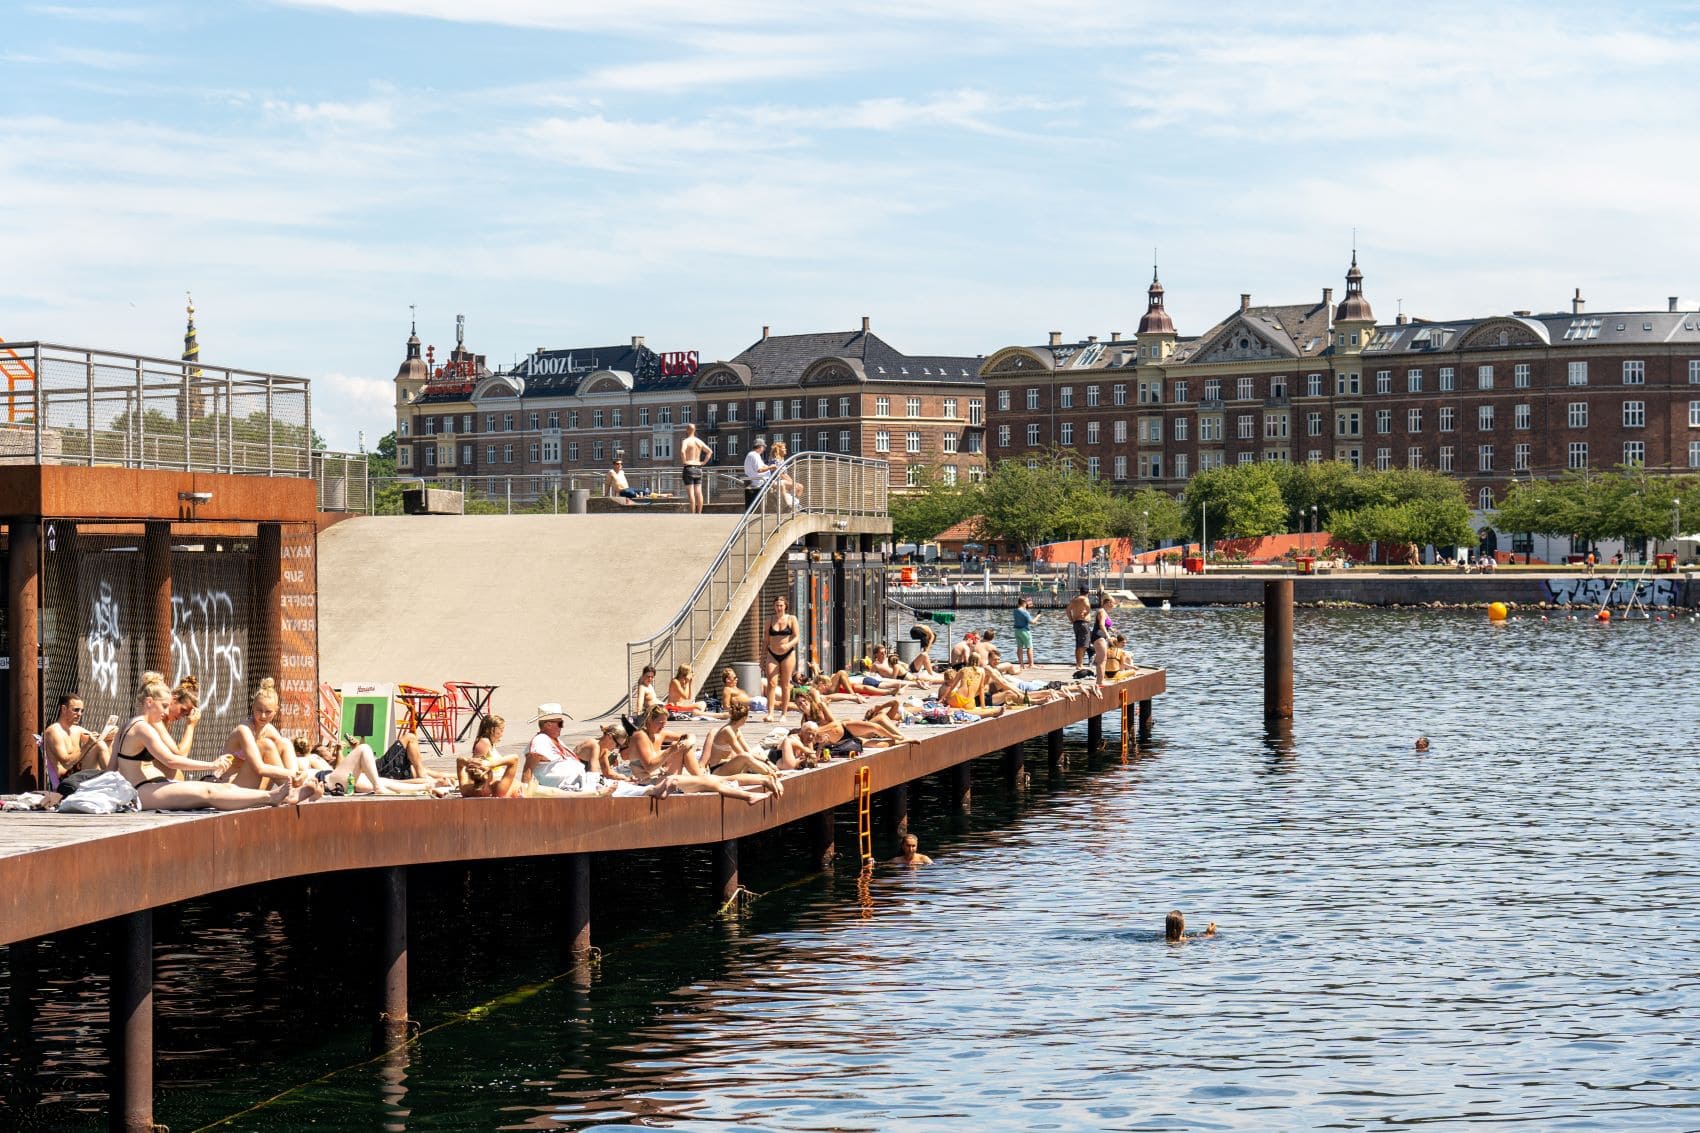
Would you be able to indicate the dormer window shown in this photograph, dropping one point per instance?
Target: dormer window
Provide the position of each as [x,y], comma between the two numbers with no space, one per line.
[1354,338]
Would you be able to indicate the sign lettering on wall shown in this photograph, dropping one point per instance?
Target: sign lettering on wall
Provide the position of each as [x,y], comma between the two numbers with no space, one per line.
[298,671]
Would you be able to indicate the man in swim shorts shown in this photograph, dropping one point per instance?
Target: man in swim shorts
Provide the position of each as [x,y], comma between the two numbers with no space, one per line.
[694,453]
[1024,619]
[1079,615]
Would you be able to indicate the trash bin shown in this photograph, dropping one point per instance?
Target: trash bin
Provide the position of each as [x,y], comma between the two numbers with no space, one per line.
[908,649]
[578,501]
[1666,561]
[1307,564]
[749,677]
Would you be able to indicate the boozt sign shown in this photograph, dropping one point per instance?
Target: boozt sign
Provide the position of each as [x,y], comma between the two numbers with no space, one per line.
[550,365]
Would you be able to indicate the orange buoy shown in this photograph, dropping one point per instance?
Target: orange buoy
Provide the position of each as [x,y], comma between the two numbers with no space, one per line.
[1497,611]
[1603,615]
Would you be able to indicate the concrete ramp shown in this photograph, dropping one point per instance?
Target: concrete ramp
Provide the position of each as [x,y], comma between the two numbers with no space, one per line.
[542,605]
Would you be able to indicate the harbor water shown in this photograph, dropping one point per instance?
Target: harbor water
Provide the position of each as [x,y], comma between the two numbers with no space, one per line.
[1501,932]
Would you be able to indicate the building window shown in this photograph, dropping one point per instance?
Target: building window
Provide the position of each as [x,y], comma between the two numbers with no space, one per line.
[949,441]
[1033,399]
[507,454]
[1245,426]
[711,413]
[1694,371]
[614,418]
[1153,466]
[1210,428]
[950,474]
[844,440]
[1346,385]
[1243,458]
[489,454]
[1413,381]
[1634,373]
[1313,424]
[643,417]
[596,419]
[1065,397]
[1383,459]
[1446,458]
[1694,415]
[1003,401]
[1384,421]
[1313,385]
[796,408]
[911,442]
[1577,415]
[1180,393]
[1118,394]
[1448,379]
[1635,453]
[1032,436]
[1484,377]
[1212,389]
[1121,466]
[1348,423]
[950,408]
[1092,468]
[731,411]
[1413,457]
[882,441]
[489,422]
[1182,427]
[823,441]
[1092,432]
[1578,455]
[1484,458]
[1413,420]
[507,422]
[1484,499]
[1448,419]
[844,407]
[912,476]
[1578,373]
[1484,418]
[1520,416]
[1520,457]
[1003,436]
[1384,381]
[1520,375]
[913,407]
[823,405]
[533,452]
[976,411]
[1275,426]
[1065,433]
[431,457]
[572,452]
[572,418]
[1634,414]
[882,407]
[1245,392]
[684,415]
[532,420]
[1092,397]
[1694,454]
[1180,466]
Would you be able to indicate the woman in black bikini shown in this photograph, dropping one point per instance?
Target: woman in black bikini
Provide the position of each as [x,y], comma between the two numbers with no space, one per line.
[141,750]
[1103,628]
[783,633]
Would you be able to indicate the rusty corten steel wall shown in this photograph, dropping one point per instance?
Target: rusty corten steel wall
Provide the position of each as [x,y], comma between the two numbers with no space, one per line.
[176,861]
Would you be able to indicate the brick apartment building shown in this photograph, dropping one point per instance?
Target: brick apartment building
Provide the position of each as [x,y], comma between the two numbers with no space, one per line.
[1487,398]
[573,410]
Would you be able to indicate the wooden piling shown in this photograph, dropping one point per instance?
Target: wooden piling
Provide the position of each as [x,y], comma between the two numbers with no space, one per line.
[962,788]
[1278,649]
[897,809]
[392,954]
[130,1038]
[578,908]
[725,871]
[822,849]
[1053,748]
[1094,735]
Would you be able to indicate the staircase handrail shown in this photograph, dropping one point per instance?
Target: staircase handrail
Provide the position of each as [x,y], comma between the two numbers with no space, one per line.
[832,484]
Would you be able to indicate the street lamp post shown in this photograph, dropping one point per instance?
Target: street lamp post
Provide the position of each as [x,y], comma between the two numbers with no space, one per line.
[1315,529]
[1203,537]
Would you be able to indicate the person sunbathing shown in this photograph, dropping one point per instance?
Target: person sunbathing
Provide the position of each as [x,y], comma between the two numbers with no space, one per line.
[726,753]
[72,747]
[884,664]
[1013,691]
[964,690]
[862,684]
[140,751]
[643,696]
[258,748]
[679,698]
[831,729]
[995,662]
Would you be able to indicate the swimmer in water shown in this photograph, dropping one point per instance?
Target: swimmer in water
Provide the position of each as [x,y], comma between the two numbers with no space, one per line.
[1174,928]
[1422,743]
[911,855]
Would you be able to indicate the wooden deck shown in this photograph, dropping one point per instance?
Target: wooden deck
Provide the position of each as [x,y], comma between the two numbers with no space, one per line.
[60,871]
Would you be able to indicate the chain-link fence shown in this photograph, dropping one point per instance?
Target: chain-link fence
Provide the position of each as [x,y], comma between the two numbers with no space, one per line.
[76,405]
[341,477]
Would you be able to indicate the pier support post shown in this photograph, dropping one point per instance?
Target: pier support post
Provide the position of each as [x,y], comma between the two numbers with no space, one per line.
[392,955]
[156,569]
[1053,748]
[1278,649]
[897,809]
[821,840]
[130,1088]
[578,908]
[962,788]
[23,605]
[725,871]
[1013,766]
[268,597]
[1144,732]
[1094,735]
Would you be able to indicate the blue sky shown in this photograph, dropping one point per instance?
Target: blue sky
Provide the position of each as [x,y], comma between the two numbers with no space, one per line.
[968,173]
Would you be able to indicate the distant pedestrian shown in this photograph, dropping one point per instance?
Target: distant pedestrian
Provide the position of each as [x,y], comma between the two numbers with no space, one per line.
[1079,613]
[1024,619]
[694,454]
[756,470]
[1590,562]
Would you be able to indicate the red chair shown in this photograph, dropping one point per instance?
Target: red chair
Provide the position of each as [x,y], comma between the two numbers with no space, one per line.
[433,723]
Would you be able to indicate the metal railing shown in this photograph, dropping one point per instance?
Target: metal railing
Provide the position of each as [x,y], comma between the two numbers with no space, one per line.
[549,492]
[341,477]
[78,405]
[843,486]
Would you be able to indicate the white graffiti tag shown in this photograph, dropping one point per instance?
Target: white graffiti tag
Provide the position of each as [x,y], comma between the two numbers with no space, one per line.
[104,641]
[1615,592]
[203,642]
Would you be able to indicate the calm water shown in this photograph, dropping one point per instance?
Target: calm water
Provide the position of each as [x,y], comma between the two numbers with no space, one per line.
[1503,931]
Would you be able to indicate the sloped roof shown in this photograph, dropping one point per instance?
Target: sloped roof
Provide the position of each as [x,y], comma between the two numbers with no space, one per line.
[1297,330]
[559,372]
[965,532]
[780,359]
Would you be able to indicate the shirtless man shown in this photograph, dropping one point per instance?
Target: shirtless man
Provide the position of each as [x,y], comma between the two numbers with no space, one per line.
[615,485]
[911,855]
[694,453]
[1079,614]
[73,747]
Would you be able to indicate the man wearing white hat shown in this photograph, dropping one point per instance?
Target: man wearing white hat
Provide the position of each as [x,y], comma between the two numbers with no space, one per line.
[549,761]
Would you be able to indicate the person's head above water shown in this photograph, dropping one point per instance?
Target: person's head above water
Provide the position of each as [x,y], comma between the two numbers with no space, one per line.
[1174,925]
[1422,743]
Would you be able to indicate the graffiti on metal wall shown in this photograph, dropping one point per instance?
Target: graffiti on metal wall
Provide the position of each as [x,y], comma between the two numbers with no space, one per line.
[104,642]
[1615,592]
[204,642]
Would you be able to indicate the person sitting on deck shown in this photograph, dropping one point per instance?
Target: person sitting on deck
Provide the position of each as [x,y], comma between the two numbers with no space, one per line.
[1174,928]
[404,762]
[831,730]
[139,751]
[1115,660]
[963,651]
[659,753]
[911,854]
[616,486]
[884,663]
[185,705]
[70,746]
[550,763]
[994,661]
[262,756]
[487,773]
[726,754]
[679,698]
[966,688]
[643,696]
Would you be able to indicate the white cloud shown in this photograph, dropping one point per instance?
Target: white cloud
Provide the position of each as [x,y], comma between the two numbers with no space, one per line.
[93,58]
[93,15]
